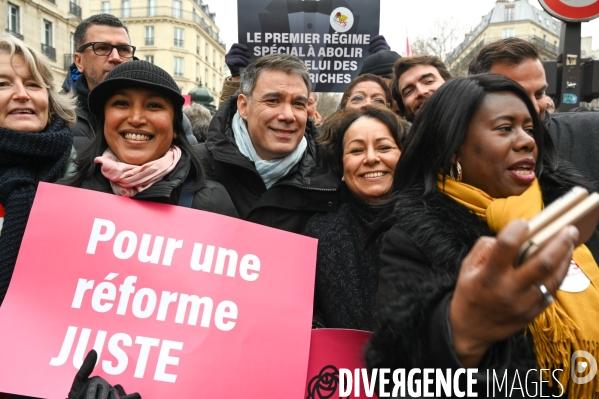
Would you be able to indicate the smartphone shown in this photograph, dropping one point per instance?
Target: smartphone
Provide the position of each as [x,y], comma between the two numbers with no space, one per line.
[576,208]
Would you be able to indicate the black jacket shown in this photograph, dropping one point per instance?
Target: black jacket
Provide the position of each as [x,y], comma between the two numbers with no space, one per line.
[212,197]
[83,131]
[310,187]
[421,258]
[576,139]
[347,266]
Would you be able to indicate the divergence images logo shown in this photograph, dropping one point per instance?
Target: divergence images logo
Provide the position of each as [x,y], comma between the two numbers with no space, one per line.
[589,366]
[342,19]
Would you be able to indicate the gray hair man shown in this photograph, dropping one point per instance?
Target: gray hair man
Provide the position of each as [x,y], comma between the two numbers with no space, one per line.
[261,147]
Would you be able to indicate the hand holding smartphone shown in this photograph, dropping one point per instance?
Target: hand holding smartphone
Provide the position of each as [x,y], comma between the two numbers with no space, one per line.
[576,208]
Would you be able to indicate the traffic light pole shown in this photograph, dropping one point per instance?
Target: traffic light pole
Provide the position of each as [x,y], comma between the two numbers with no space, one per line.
[568,67]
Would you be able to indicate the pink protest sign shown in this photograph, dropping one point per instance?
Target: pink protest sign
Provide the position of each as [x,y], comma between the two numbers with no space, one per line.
[177,302]
[332,349]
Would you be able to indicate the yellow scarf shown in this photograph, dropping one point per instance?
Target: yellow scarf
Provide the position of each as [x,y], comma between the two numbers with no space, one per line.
[571,322]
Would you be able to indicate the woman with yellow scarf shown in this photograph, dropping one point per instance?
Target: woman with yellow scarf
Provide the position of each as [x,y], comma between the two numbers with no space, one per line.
[477,164]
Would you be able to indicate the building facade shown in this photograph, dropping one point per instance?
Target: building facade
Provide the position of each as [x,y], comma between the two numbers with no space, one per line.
[47,25]
[509,18]
[179,36]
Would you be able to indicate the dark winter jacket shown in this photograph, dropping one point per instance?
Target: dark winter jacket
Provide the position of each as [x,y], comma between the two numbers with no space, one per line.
[576,138]
[310,187]
[421,258]
[347,266]
[212,197]
[83,131]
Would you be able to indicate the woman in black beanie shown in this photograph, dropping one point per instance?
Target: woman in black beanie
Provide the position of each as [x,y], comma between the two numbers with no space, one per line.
[35,141]
[140,149]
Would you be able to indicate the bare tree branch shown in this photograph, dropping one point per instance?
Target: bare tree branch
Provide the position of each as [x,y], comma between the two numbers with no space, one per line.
[441,39]
[327,103]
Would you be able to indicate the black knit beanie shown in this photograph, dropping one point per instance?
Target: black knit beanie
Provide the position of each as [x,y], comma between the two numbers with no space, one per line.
[380,63]
[134,74]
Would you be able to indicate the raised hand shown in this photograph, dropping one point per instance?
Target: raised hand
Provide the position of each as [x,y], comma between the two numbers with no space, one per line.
[96,387]
[493,299]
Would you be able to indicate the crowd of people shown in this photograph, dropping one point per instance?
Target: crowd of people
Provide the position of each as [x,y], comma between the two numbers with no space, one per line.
[418,188]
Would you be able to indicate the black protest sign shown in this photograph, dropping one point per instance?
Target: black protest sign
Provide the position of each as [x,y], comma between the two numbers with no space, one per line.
[330,36]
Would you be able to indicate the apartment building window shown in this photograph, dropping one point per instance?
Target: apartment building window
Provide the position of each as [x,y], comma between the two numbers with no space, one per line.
[197,72]
[13,16]
[178,66]
[179,37]
[214,58]
[125,9]
[149,35]
[194,15]
[74,8]
[206,77]
[68,58]
[152,8]
[105,7]
[509,12]
[177,9]
[48,40]
[149,58]
[508,32]
[198,44]
[206,53]
[213,82]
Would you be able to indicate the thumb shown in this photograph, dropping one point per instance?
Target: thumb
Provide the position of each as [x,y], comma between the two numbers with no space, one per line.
[509,240]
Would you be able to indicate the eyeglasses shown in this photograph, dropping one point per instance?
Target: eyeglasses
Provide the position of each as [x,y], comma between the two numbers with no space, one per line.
[104,49]
[360,100]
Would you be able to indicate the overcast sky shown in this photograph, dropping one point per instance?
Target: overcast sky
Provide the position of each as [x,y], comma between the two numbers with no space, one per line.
[397,17]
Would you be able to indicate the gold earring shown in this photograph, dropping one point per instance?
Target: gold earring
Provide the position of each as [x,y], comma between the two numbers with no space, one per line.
[458,168]
[343,178]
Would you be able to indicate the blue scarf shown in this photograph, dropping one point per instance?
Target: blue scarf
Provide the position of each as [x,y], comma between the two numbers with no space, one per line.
[270,171]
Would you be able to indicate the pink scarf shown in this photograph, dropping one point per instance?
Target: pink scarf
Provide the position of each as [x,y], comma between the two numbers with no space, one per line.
[128,180]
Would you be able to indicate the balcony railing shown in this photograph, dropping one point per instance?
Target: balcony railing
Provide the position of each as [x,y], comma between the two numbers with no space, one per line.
[178,74]
[68,60]
[52,1]
[544,44]
[49,51]
[76,10]
[149,41]
[166,11]
[179,42]
[16,34]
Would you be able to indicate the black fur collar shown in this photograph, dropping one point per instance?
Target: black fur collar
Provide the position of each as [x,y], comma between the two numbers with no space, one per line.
[444,230]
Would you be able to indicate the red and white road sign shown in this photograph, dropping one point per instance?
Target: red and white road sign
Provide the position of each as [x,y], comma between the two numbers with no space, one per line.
[572,10]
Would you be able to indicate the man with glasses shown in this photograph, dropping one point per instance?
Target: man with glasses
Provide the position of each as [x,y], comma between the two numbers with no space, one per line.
[102,42]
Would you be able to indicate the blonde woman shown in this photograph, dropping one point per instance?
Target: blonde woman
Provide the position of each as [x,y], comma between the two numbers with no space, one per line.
[35,141]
